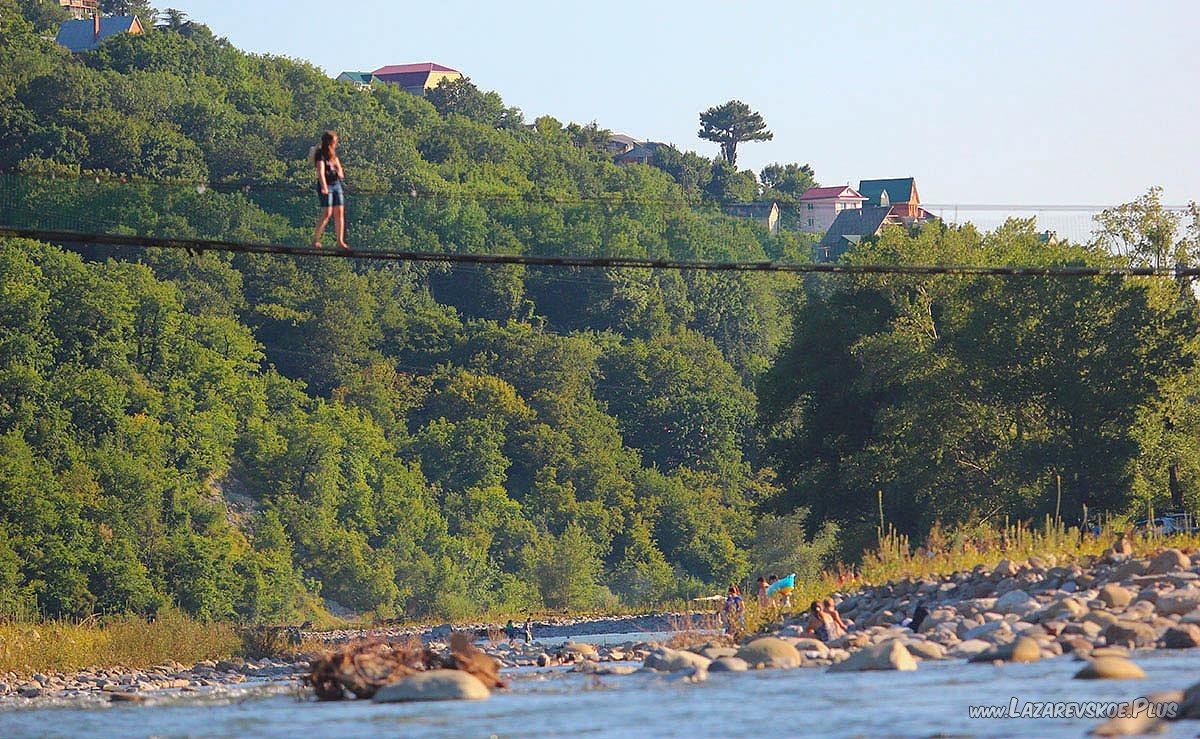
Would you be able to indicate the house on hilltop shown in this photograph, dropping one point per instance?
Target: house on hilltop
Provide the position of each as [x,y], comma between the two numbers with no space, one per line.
[619,143]
[81,8]
[891,202]
[900,194]
[640,153]
[820,206]
[361,79]
[764,212]
[82,35]
[417,79]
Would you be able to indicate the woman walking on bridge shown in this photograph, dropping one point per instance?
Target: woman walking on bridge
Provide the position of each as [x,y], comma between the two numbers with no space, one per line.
[330,193]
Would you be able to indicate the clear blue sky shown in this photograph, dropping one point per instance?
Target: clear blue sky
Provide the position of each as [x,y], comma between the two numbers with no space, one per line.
[1013,101]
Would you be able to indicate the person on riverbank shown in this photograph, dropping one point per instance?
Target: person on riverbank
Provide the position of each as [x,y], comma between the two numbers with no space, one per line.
[763,599]
[919,615]
[735,611]
[510,630]
[528,629]
[839,624]
[330,190]
[818,625]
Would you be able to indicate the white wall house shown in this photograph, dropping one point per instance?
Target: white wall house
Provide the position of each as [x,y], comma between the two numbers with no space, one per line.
[819,206]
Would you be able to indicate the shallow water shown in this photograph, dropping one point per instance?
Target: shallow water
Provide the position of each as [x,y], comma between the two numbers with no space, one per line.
[931,701]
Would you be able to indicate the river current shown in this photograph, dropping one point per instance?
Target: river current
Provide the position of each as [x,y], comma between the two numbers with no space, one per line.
[933,701]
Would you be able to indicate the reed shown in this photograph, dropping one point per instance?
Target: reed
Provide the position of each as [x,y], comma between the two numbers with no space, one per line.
[67,646]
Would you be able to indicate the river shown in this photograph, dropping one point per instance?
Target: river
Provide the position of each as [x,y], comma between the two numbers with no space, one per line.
[932,701]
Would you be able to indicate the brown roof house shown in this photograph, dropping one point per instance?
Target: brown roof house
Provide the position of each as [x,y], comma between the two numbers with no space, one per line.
[417,79]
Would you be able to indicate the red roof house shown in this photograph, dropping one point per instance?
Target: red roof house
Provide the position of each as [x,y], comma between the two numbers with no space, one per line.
[416,78]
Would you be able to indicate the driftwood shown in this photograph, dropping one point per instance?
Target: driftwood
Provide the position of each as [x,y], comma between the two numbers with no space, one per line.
[365,667]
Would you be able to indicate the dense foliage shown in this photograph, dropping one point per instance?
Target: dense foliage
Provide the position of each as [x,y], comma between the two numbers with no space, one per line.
[901,401]
[238,435]
[242,435]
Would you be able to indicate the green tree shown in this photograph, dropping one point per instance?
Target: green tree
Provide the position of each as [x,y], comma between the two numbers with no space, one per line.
[730,124]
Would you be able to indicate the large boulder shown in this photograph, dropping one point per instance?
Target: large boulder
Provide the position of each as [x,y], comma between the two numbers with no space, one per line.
[1068,609]
[578,651]
[1131,633]
[1168,560]
[1006,568]
[1190,706]
[1131,569]
[434,685]
[804,645]
[891,655]
[1023,649]
[1016,601]
[770,651]
[1110,668]
[1115,596]
[1183,636]
[988,631]
[969,648]
[728,664]
[925,649]
[1178,602]
[675,660]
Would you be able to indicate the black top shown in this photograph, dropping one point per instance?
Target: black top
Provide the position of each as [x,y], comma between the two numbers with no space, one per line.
[331,170]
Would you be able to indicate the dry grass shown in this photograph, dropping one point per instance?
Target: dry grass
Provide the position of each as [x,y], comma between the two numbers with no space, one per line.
[65,646]
[965,549]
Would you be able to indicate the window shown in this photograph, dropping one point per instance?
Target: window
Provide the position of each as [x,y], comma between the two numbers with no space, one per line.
[810,206]
[810,222]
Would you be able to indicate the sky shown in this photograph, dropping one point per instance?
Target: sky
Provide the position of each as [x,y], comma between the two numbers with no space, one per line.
[1013,101]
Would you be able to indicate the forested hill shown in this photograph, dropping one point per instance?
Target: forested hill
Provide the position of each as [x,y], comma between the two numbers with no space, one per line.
[239,434]
[248,436]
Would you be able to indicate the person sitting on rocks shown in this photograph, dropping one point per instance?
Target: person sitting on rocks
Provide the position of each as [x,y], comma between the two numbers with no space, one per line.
[919,615]
[839,625]
[818,625]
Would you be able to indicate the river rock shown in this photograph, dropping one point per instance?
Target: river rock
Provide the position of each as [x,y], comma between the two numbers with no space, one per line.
[1178,602]
[988,630]
[1168,560]
[1066,608]
[812,645]
[1189,707]
[713,653]
[1024,649]
[969,648]
[1110,668]
[890,655]
[1016,601]
[1115,596]
[728,664]
[1006,568]
[673,660]
[1141,724]
[578,650]
[1183,636]
[1131,633]
[434,685]
[925,649]
[770,651]
[1130,569]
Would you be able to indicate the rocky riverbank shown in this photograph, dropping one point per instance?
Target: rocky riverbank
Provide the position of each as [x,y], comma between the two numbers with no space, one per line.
[554,628]
[122,684]
[1100,611]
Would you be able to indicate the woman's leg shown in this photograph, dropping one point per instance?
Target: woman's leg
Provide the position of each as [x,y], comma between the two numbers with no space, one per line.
[321,221]
[339,225]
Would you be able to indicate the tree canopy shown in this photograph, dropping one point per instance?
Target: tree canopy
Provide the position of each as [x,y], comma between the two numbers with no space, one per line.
[730,124]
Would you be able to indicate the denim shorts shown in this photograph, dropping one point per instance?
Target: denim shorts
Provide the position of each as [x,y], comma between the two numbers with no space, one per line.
[334,196]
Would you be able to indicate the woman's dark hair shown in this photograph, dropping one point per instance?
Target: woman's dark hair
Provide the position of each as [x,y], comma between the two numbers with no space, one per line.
[325,150]
[815,608]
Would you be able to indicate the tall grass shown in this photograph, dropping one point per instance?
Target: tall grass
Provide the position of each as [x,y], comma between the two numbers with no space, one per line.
[67,646]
